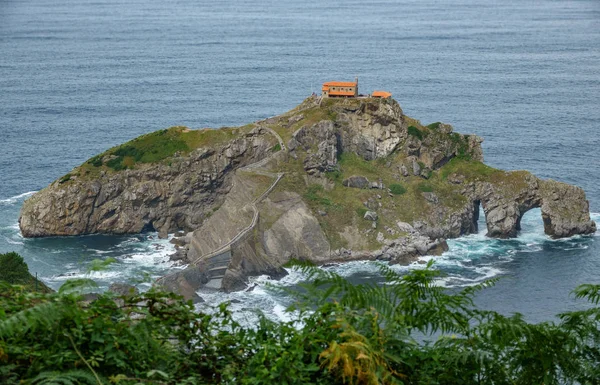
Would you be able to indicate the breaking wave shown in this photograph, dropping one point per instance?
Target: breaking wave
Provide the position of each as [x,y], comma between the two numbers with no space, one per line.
[16,198]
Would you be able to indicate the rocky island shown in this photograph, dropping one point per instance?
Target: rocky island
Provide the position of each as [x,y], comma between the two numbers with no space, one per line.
[330,180]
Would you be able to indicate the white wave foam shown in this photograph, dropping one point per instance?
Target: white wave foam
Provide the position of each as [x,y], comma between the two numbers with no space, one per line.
[279,311]
[100,251]
[105,275]
[151,252]
[128,242]
[16,198]
[14,226]
[293,277]
[596,218]
[43,261]
[148,260]
[245,305]
[484,272]
[348,269]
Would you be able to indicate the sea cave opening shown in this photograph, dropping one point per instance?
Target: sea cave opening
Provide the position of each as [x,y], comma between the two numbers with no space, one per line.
[148,228]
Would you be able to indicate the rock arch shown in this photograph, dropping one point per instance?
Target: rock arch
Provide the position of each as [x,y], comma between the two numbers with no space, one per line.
[565,211]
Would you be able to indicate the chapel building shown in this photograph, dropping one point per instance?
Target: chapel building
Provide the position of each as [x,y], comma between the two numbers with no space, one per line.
[340,89]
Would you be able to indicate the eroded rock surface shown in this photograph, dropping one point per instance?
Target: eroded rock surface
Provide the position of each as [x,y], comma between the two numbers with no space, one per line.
[165,197]
[564,208]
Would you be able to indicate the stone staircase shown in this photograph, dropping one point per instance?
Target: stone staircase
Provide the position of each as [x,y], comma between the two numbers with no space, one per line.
[218,260]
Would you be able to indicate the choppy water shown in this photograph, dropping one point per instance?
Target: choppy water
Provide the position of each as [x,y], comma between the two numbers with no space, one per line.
[77,77]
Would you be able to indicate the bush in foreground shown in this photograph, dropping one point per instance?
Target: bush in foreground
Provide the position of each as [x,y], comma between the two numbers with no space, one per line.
[14,270]
[342,334]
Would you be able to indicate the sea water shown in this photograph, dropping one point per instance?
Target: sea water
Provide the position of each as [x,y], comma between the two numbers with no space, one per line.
[77,77]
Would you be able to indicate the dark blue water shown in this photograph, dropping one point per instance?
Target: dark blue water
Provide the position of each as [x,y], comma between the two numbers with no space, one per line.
[77,77]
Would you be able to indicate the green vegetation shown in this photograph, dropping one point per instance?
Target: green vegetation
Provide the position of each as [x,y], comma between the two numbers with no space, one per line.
[276,148]
[364,336]
[361,211]
[95,161]
[425,187]
[414,131]
[334,175]
[406,204]
[463,145]
[434,126]
[65,178]
[159,146]
[344,223]
[352,164]
[397,189]
[314,194]
[148,148]
[472,170]
[14,270]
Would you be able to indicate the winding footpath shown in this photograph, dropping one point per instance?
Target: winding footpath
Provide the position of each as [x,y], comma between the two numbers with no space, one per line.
[218,260]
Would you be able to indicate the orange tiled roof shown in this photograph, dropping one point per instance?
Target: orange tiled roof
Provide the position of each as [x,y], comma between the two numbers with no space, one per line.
[381,94]
[341,93]
[339,84]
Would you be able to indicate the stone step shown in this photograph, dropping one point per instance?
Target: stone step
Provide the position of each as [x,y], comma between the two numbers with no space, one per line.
[217,270]
[214,283]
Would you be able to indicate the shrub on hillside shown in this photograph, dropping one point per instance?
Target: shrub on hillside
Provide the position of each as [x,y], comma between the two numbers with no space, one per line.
[65,178]
[397,189]
[434,126]
[414,131]
[13,269]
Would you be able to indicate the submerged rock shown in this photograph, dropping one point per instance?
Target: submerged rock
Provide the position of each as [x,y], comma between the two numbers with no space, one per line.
[186,282]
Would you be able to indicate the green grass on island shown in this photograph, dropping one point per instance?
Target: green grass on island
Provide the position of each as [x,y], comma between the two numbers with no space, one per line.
[156,147]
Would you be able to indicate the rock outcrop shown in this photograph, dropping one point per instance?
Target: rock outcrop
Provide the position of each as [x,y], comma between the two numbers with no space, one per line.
[565,211]
[329,181]
[166,197]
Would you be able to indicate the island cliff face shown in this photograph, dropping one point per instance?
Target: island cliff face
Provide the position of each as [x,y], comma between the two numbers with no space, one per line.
[166,196]
[331,180]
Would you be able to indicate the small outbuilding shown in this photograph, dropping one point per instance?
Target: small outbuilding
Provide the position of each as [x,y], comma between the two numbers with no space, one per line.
[381,94]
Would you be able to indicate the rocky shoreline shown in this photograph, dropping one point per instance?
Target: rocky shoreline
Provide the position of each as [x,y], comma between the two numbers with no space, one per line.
[329,181]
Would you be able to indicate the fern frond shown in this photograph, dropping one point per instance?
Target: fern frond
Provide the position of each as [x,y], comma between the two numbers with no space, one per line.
[72,377]
[77,285]
[589,292]
[44,314]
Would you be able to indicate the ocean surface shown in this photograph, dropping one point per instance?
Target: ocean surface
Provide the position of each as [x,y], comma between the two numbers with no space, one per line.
[77,77]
